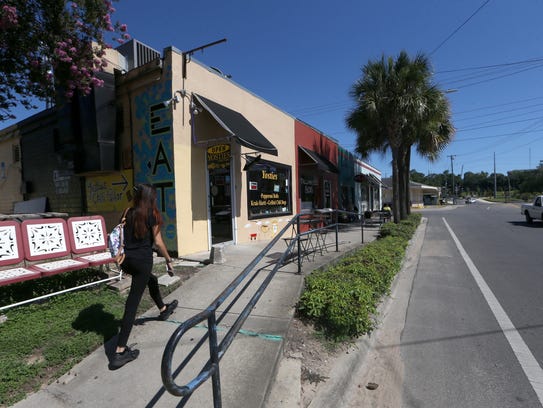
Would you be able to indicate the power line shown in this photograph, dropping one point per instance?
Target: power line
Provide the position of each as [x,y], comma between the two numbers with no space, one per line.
[490,66]
[499,105]
[507,71]
[459,27]
[499,77]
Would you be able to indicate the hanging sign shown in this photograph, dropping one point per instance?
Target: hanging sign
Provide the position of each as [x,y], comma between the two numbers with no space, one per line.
[218,156]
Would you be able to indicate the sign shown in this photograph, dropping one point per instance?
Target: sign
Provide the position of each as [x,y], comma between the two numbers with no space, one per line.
[109,193]
[218,156]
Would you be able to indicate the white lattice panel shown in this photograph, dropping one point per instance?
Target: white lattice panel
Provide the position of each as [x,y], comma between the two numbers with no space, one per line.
[8,243]
[102,256]
[59,265]
[46,239]
[88,234]
[15,273]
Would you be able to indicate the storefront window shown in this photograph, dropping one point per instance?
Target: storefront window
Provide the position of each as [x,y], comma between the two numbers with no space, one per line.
[269,191]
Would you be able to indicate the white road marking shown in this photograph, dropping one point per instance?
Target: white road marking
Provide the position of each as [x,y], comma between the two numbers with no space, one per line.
[529,364]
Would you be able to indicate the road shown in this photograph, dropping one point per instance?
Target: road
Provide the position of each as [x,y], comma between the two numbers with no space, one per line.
[474,323]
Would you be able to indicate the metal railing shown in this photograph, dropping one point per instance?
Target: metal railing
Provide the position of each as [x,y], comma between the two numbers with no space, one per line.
[209,315]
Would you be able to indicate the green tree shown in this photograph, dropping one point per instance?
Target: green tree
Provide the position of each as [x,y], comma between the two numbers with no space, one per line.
[430,129]
[51,45]
[397,108]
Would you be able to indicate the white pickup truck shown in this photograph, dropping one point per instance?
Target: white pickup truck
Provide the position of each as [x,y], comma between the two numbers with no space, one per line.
[533,211]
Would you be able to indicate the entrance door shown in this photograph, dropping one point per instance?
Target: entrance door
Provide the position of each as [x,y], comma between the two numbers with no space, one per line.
[220,203]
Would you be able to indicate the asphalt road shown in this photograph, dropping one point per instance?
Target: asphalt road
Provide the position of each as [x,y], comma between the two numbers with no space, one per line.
[473,335]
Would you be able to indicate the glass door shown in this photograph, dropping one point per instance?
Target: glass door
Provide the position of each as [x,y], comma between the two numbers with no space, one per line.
[220,193]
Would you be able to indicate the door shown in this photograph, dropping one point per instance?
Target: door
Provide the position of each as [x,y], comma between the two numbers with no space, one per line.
[220,193]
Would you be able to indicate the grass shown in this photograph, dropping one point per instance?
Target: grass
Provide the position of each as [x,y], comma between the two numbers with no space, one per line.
[41,342]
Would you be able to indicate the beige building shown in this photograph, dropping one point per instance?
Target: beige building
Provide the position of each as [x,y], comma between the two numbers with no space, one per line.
[221,157]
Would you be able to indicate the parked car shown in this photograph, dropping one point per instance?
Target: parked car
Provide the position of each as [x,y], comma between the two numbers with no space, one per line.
[533,211]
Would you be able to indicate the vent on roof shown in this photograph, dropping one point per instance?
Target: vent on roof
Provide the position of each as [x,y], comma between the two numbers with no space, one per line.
[137,54]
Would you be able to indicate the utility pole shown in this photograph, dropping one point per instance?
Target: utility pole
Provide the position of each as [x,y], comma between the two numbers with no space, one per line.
[495,179]
[452,156]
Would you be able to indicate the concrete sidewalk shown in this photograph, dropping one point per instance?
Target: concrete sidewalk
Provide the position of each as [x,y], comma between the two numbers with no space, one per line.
[248,367]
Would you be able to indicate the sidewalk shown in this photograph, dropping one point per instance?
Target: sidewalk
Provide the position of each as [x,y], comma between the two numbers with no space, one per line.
[248,367]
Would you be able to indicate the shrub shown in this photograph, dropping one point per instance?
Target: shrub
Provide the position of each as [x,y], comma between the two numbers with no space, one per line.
[339,303]
[342,299]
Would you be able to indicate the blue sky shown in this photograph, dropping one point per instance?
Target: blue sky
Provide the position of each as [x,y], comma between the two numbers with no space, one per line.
[303,57]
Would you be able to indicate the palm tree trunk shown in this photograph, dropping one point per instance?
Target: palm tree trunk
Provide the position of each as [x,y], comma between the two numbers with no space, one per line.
[407,171]
[395,184]
[402,176]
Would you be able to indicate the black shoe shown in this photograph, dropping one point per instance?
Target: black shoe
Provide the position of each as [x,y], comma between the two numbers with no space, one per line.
[120,359]
[170,307]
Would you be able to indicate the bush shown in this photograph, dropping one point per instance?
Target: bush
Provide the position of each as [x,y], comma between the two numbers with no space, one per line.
[342,299]
[339,303]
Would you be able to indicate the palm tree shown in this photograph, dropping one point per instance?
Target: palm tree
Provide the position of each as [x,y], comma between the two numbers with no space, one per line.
[431,133]
[398,107]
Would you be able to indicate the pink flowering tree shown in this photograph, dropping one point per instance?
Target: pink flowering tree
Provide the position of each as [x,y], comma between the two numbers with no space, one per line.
[49,46]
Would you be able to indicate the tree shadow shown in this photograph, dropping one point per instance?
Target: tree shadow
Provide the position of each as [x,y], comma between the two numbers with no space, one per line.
[94,319]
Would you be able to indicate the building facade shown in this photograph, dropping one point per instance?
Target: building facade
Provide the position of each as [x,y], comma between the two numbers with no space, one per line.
[229,167]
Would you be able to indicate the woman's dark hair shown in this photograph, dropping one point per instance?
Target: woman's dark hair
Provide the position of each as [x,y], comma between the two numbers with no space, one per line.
[145,204]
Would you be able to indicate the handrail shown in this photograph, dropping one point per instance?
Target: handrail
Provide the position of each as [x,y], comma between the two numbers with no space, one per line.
[211,367]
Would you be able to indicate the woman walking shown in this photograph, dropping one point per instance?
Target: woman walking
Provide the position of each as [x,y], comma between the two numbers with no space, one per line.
[141,231]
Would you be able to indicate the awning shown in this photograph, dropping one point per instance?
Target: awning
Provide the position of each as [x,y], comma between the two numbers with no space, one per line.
[370,178]
[316,159]
[236,125]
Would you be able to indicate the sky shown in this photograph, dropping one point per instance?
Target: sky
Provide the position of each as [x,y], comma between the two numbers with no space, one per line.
[304,56]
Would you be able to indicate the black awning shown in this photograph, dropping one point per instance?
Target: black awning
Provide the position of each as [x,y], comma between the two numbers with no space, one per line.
[370,178]
[236,125]
[316,159]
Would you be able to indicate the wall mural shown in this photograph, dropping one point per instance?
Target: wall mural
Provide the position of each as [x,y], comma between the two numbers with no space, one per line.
[153,152]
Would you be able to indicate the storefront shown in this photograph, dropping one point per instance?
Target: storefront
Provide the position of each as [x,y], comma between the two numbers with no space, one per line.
[317,169]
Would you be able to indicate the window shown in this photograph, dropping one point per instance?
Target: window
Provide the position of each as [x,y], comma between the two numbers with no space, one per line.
[268,190]
[16,153]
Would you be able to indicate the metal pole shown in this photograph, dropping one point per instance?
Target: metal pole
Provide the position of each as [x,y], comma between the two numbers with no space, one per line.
[337,232]
[362,226]
[495,179]
[214,357]
[299,246]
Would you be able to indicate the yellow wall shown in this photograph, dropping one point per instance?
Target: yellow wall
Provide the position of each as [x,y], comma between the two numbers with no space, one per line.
[190,159]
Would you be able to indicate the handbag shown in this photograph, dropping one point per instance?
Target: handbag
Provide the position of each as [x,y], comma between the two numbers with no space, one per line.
[116,240]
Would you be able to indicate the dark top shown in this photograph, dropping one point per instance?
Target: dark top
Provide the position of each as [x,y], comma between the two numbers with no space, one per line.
[139,248]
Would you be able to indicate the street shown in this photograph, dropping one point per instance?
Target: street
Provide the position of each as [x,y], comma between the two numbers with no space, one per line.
[473,329]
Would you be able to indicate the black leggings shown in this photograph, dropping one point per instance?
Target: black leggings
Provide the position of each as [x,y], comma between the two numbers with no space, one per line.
[141,277]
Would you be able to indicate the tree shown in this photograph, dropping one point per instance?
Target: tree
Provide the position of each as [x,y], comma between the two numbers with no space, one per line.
[397,108]
[52,45]
[430,129]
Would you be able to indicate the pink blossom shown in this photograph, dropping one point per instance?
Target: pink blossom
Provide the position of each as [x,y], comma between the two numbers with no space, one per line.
[123,27]
[8,17]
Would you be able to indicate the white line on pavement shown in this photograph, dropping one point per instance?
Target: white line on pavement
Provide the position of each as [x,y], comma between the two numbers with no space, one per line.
[525,357]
